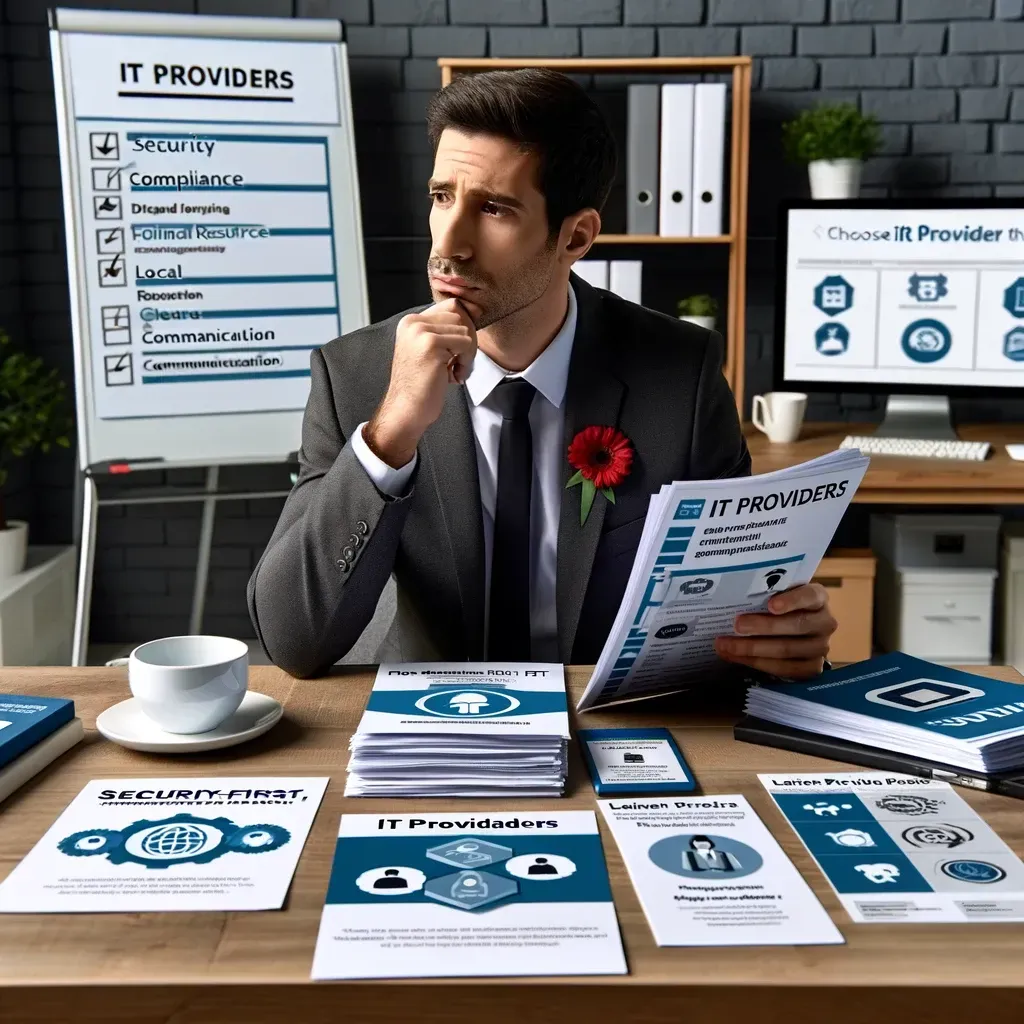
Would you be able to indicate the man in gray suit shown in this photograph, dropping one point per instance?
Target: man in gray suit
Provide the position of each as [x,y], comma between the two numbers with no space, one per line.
[434,443]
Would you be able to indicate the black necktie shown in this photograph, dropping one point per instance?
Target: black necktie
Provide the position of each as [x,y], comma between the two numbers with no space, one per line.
[509,624]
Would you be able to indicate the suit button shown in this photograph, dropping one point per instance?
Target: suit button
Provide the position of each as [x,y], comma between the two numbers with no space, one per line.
[355,540]
[349,553]
[363,527]
[342,564]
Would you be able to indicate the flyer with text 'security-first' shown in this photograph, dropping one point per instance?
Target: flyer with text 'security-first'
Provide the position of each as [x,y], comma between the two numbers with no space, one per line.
[133,845]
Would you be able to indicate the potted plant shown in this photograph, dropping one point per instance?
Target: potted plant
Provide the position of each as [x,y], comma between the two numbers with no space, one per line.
[698,309]
[833,140]
[33,414]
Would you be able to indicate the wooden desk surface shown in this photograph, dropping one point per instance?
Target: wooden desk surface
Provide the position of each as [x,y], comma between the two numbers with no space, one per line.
[999,480]
[254,967]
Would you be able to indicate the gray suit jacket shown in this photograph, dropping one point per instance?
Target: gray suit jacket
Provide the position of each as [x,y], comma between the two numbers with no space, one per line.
[657,379]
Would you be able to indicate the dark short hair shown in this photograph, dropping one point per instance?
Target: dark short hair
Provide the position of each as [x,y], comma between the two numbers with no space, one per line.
[546,113]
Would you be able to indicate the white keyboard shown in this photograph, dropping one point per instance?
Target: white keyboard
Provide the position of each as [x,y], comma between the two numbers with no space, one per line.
[920,448]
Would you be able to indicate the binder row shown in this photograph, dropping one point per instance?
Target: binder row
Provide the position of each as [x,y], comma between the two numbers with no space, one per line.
[619,276]
[675,159]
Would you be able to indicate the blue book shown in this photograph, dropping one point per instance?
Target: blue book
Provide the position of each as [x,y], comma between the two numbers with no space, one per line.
[24,721]
[905,704]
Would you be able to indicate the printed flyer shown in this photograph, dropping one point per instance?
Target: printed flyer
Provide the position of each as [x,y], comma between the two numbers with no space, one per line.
[708,873]
[133,845]
[476,894]
[901,848]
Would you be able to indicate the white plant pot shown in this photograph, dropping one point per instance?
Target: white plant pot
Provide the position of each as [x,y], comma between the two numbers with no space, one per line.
[835,179]
[707,322]
[13,548]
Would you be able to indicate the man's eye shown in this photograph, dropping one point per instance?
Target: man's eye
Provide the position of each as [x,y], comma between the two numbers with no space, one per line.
[493,208]
[438,197]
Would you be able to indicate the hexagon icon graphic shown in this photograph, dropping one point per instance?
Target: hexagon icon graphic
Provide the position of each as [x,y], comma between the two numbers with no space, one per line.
[1013,299]
[470,890]
[469,852]
[1013,344]
[834,295]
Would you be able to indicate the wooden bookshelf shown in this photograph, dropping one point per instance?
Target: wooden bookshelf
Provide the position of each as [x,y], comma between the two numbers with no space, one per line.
[739,155]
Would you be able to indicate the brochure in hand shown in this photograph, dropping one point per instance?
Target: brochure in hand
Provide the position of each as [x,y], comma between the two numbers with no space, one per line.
[432,730]
[710,550]
[896,702]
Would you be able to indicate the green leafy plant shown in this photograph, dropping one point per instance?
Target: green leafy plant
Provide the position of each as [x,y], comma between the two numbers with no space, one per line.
[697,305]
[831,132]
[33,409]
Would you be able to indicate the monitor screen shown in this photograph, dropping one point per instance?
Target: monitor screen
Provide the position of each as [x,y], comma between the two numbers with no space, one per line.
[891,297]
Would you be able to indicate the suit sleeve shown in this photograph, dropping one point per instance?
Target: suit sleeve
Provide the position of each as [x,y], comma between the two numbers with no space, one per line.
[318,582]
[719,448]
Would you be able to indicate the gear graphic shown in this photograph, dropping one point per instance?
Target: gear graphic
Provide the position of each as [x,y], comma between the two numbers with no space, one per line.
[258,838]
[90,842]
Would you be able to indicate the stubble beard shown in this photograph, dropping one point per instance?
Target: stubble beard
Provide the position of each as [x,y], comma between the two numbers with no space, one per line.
[518,290]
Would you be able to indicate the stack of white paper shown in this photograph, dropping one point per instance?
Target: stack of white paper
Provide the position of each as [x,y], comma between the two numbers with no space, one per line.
[430,729]
[710,550]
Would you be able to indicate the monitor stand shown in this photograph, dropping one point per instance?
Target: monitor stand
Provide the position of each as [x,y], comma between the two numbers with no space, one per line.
[917,416]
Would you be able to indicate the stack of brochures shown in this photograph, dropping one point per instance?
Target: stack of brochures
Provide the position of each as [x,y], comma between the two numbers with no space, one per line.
[903,704]
[711,550]
[436,730]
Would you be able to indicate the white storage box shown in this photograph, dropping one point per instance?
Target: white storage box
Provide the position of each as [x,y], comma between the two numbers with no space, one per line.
[936,541]
[37,609]
[1012,596]
[942,615]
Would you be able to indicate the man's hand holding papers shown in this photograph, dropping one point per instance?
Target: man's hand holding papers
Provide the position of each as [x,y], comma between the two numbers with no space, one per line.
[789,639]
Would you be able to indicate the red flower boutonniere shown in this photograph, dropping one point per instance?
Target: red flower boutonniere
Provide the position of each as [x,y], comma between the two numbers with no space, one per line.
[602,457]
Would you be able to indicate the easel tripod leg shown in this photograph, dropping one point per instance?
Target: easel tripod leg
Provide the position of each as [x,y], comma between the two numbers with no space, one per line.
[86,565]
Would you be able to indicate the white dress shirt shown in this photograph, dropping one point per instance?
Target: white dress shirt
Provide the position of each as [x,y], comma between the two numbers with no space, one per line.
[548,373]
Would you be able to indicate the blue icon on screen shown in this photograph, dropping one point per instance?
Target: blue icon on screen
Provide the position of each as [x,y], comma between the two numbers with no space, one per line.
[833,295]
[926,341]
[927,287]
[1013,344]
[831,339]
[1013,298]
[980,872]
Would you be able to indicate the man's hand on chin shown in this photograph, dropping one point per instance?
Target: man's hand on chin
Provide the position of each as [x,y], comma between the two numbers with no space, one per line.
[789,640]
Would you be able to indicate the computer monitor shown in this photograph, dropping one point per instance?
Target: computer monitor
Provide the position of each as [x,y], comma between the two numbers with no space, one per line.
[920,299]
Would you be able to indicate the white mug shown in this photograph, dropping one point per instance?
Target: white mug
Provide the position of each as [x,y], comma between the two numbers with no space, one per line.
[189,684]
[781,414]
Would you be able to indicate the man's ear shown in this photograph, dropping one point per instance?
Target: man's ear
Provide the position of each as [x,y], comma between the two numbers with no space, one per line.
[579,232]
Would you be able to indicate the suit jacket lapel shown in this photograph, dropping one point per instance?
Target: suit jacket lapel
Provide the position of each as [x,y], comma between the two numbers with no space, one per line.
[450,450]
[594,395]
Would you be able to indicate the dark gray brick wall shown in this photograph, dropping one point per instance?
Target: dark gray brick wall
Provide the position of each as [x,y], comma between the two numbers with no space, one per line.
[945,77]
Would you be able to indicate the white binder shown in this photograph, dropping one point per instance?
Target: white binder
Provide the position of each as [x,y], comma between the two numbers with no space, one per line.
[594,272]
[675,199]
[708,158]
[624,279]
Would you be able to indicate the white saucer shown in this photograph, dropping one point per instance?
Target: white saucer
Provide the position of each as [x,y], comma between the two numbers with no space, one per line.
[126,724]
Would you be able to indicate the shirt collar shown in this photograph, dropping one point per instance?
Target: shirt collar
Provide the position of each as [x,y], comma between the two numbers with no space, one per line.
[548,373]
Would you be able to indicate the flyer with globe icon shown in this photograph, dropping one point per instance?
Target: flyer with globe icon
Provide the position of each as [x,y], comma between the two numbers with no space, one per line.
[901,848]
[136,845]
[475,894]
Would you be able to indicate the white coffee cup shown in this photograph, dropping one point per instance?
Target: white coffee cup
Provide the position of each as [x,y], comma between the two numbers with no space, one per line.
[189,684]
[779,414]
